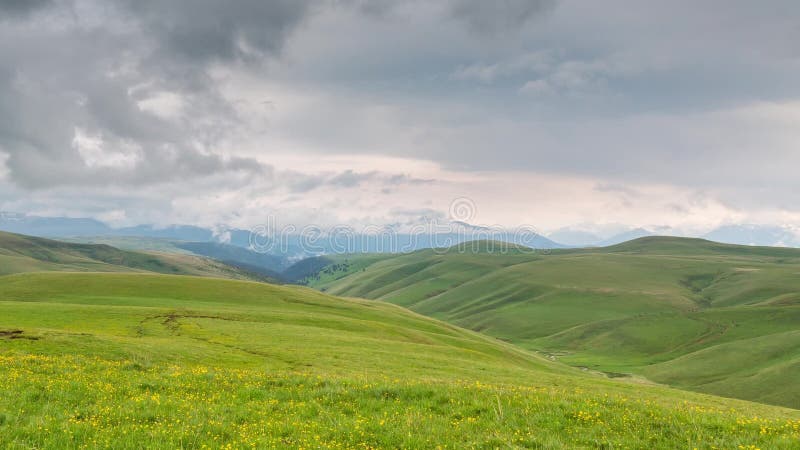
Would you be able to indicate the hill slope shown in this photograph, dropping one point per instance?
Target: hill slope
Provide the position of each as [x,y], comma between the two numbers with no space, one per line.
[19,253]
[646,307]
[268,265]
[141,360]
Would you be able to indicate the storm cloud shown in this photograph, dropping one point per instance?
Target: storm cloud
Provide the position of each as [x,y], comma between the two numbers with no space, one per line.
[251,104]
[118,92]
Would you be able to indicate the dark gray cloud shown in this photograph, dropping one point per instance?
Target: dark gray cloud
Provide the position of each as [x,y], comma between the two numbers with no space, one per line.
[207,29]
[350,178]
[702,95]
[90,66]
[499,15]
[20,7]
[142,92]
[401,179]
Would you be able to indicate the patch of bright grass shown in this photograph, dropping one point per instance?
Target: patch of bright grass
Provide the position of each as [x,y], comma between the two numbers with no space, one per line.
[153,361]
[84,402]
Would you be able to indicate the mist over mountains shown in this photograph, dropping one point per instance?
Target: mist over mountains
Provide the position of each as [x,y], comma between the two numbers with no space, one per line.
[292,247]
[570,237]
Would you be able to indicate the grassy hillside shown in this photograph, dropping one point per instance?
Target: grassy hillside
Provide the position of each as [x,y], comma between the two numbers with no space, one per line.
[157,361]
[678,311]
[19,253]
[266,265]
[131,243]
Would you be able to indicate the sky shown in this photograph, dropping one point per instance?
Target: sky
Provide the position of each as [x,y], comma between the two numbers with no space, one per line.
[679,115]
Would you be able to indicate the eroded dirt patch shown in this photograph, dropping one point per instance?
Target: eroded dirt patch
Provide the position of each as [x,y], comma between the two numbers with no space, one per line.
[16,334]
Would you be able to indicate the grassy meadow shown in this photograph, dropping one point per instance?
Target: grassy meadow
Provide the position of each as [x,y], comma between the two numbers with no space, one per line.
[715,318]
[107,360]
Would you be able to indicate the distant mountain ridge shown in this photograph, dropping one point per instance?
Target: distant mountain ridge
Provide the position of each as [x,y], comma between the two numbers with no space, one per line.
[69,227]
[739,234]
[626,236]
[773,236]
[579,238]
[575,238]
[296,247]
[263,263]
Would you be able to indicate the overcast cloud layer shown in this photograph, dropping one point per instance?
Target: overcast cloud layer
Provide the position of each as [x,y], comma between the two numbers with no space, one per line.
[546,112]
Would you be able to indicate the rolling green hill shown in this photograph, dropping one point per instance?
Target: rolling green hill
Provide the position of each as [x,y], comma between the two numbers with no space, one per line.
[704,316]
[19,253]
[141,360]
[131,243]
[264,265]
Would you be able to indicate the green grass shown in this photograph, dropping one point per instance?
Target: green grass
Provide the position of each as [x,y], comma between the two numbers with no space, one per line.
[654,307]
[100,360]
[20,254]
[132,243]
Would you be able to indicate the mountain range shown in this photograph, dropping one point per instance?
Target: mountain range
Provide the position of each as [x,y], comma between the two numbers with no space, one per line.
[295,247]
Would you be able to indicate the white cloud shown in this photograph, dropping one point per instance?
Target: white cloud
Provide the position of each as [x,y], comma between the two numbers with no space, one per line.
[96,154]
[167,105]
[3,160]
[537,87]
